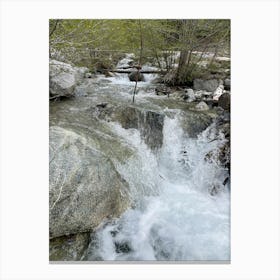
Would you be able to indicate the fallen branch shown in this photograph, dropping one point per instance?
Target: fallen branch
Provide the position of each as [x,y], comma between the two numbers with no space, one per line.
[53,97]
[142,71]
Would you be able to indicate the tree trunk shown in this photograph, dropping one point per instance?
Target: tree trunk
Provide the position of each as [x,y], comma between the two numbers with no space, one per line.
[184,53]
[180,74]
[140,60]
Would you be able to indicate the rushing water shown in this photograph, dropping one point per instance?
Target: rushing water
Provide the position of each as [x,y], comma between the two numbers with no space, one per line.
[173,216]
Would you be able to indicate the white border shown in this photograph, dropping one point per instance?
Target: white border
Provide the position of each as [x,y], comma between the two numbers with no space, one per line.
[24,138]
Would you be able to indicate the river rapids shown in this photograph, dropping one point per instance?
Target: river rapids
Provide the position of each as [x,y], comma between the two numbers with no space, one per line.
[173,216]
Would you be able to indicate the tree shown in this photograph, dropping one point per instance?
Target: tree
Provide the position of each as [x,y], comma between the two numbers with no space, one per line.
[91,42]
[140,58]
[202,35]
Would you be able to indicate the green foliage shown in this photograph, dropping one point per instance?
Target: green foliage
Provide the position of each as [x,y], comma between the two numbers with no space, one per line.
[88,42]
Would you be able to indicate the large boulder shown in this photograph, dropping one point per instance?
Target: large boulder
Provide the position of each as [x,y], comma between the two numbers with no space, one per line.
[149,123]
[136,76]
[224,101]
[63,78]
[85,187]
[195,121]
[207,85]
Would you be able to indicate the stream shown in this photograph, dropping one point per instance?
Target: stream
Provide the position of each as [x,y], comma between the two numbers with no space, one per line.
[172,216]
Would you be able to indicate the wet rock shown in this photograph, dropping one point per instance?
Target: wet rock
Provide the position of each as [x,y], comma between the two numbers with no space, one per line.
[215,189]
[162,90]
[218,92]
[210,157]
[224,101]
[128,117]
[122,247]
[102,105]
[199,94]
[226,181]
[190,96]
[136,76]
[69,248]
[224,155]
[179,95]
[85,187]
[221,156]
[207,85]
[202,106]
[211,103]
[227,84]
[225,129]
[226,116]
[151,128]
[149,123]
[195,122]
[63,79]
[88,75]
[103,111]
[202,95]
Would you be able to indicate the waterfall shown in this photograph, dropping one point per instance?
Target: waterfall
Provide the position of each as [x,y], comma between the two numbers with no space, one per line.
[173,216]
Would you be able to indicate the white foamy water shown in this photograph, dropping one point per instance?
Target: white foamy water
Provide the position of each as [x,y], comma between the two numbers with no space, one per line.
[122,79]
[174,217]
[122,86]
[125,62]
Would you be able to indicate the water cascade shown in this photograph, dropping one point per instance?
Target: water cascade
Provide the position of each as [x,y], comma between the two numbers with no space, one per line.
[161,149]
[174,216]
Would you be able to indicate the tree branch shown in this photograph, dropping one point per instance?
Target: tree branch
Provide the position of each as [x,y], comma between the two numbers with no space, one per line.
[140,60]
[54,28]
